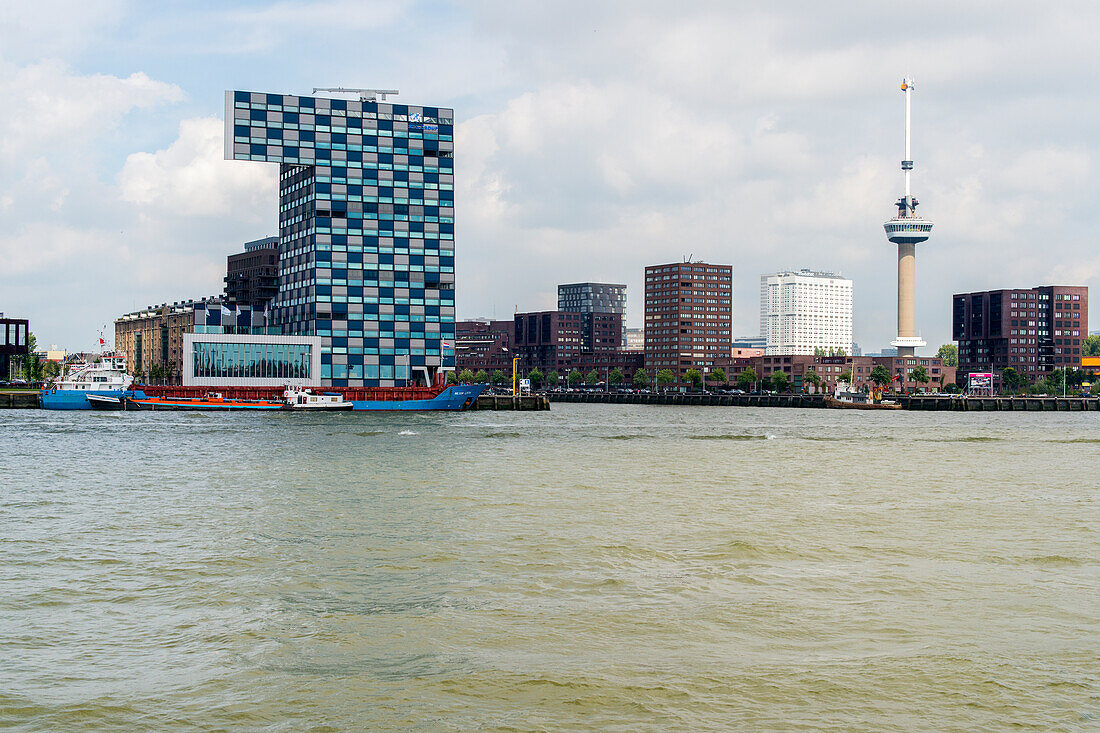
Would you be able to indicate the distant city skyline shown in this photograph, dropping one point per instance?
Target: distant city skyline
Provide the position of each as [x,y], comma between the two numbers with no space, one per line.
[762,138]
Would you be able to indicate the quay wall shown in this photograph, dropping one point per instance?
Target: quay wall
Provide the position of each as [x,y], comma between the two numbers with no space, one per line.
[19,400]
[912,402]
[508,402]
[681,398]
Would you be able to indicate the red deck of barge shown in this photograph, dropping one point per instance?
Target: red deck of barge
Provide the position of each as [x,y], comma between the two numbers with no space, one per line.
[383,394]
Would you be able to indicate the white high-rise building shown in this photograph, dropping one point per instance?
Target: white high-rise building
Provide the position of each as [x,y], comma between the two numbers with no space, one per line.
[805,310]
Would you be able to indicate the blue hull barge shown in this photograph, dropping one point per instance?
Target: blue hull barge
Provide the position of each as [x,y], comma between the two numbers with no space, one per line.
[374,399]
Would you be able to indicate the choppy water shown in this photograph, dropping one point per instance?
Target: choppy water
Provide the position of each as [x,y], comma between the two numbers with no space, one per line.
[595,567]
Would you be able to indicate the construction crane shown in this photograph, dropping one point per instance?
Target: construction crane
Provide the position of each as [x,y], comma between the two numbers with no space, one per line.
[365,95]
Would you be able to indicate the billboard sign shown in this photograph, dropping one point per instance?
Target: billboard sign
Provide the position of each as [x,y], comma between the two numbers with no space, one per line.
[979,380]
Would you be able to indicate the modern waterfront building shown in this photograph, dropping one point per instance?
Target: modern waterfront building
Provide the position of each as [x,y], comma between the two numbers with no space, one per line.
[252,276]
[803,311]
[1033,330]
[906,230]
[14,334]
[261,360]
[153,338]
[688,316]
[366,228]
[592,298]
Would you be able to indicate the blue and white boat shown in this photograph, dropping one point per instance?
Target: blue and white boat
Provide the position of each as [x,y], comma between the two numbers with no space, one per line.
[106,378]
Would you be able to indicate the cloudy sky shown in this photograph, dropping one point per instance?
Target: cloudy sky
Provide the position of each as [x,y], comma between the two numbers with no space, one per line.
[594,138]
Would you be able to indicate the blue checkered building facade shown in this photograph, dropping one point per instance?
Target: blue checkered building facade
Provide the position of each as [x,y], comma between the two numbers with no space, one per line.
[366,229]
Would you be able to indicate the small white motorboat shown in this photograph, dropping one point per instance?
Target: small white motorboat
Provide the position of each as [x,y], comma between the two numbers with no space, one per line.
[297,398]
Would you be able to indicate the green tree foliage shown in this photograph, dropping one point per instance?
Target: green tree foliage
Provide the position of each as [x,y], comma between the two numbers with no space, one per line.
[747,379]
[592,378]
[1091,346]
[920,375]
[536,377]
[466,376]
[1012,380]
[575,378]
[482,377]
[695,377]
[665,377]
[452,377]
[498,377]
[812,377]
[779,381]
[616,376]
[641,379]
[553,378]
[952,388]
[845,376]
[718,375]
[950,355]
[880,375]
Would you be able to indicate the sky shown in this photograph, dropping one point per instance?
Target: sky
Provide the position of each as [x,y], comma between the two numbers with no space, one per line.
[593,138]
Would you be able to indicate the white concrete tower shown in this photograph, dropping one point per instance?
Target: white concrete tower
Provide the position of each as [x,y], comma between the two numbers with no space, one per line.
[906,230]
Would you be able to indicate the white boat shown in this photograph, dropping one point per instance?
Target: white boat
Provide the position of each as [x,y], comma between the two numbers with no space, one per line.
[106,377]
[297,398]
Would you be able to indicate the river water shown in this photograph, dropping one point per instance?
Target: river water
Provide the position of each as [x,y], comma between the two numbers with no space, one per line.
[596,567]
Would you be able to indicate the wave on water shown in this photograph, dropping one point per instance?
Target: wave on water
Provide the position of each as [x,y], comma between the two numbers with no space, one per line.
[369,433]
[628,436]
[408,432]
[505,434]
[765,436]
[1074,440]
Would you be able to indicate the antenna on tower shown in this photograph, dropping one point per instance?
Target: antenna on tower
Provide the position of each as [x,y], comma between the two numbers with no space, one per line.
[365,95]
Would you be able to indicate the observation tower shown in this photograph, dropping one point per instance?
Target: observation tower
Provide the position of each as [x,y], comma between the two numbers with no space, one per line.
[906,230]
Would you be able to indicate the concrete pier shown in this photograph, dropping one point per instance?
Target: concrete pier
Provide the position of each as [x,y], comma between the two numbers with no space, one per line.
[19,400]
[510,402]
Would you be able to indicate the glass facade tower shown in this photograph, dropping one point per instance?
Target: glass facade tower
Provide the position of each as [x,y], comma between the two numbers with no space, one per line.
[366,229]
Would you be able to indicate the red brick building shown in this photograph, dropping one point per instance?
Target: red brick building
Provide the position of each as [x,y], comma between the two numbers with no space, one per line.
[1034,330]
[829,369]
[546,340]
[688,316]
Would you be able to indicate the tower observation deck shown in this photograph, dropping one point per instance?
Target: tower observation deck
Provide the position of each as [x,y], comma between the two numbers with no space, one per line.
[906,230]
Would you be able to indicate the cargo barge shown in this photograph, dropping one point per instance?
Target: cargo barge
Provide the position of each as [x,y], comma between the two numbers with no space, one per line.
[454,398]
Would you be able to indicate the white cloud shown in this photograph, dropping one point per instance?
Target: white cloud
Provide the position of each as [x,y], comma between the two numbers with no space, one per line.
[191,178]
[51,109]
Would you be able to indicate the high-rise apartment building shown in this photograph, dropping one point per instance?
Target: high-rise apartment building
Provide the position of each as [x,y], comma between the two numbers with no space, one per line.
[366,229]
[803,311]
[592,298]
[1034,331]
[252,276]
[688,316]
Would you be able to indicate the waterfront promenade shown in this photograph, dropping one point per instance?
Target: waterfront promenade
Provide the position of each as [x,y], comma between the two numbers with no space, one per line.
[908,402]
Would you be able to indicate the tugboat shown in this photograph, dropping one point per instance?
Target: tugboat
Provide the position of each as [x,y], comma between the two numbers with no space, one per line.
[844,398]
[106,377]
[298,398]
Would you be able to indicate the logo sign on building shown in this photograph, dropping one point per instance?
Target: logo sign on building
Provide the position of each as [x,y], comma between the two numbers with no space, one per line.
[416,123]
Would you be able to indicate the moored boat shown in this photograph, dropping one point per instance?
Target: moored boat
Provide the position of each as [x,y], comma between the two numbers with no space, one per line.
[297,398]
[105,402]
[106,377]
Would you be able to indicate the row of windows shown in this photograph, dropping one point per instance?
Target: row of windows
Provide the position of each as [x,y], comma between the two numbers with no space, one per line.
[254,361]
